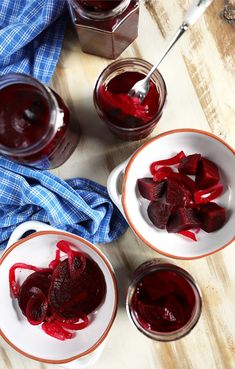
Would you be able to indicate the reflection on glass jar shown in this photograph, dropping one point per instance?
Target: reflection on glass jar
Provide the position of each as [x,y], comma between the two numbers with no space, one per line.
[35,127]
[105,28]
[163,300]
[127,117]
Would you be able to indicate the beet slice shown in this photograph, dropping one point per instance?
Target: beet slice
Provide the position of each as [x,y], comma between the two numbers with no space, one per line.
[76,296]
[178,194]
[150,189]
[36,308]
[207,174]
[39,280]
[159,213]
[189,164]
[182,219]
[212,216]
[76,264]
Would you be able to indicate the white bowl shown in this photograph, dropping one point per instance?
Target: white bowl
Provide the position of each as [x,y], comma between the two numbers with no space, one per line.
[134,206]
[39,249]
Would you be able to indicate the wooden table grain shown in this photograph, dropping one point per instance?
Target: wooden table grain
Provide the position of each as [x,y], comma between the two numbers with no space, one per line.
[200,77]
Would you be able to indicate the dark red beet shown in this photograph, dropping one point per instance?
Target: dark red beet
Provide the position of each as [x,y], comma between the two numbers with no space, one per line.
[37,305]
[37,279]
[73,296]
[189,164]
[159,213]
[150,189]
[182,219]
[207,174]
[212,217]
[177,194]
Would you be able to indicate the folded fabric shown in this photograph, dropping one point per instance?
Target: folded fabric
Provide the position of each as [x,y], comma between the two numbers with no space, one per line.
[76,205]
[31,35]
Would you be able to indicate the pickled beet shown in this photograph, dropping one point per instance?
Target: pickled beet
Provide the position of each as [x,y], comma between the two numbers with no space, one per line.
[182,219]
[159,213]
[189,164]
[126,111]
[212,216]
[178,194]
[179,207]
[150,189]
[61,296]
[163,301]
[207,174]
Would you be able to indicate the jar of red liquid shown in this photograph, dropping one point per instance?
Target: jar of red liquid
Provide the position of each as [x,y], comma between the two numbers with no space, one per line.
[105,27]
[163,300]
[127,117]
[35,128]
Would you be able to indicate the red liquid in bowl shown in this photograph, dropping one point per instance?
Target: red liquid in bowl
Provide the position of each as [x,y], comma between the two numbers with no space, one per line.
[123,110]
[25,117]
[163,301]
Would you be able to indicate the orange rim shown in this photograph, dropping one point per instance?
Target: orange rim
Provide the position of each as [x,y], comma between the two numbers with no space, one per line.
[104,335]
[127,171]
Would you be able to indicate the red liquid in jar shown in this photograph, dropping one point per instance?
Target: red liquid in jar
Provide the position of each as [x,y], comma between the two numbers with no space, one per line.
[24,121]
[123,110]
[24,116]
[99,6]
[163,301]
[106,37]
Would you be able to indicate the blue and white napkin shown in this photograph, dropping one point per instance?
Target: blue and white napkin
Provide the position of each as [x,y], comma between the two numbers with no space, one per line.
[31,35]
[76,205]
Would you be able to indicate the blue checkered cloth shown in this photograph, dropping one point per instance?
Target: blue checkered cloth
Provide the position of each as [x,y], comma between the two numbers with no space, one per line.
[31,35]
[76,205]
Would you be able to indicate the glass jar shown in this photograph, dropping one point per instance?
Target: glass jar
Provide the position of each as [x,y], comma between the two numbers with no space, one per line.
[35,127]
[105,30]
[126,118]
[163,300]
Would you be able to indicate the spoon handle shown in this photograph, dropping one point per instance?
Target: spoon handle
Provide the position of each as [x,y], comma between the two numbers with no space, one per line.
[192,15]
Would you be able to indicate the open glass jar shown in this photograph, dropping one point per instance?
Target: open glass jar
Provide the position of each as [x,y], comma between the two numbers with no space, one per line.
[163,300]
[35,127]
[105,27]
[126,117]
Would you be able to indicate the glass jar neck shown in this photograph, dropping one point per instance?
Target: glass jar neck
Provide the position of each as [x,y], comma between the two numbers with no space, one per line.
[53,122]
[100,15]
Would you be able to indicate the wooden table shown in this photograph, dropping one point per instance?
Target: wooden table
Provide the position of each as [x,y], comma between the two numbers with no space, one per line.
[200,76]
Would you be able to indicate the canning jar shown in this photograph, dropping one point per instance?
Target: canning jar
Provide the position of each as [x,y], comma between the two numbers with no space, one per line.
[105,28]
[35,127]
[163,300]
[126,117]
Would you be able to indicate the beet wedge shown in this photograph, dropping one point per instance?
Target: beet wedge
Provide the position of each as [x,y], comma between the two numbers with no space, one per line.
[182,219]
[178,194]
[207,174]
[151,190]
[189,164]
[159,213]
[212,217]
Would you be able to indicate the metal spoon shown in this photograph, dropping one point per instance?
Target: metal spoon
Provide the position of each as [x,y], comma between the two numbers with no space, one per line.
[141,88]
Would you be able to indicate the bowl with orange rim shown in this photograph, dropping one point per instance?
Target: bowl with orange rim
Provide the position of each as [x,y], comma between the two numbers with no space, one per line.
[80,346]
[170,239]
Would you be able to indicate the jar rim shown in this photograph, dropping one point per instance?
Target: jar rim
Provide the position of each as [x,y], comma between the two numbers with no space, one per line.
[166,266]
[17,78]
[121,63]
[99,16]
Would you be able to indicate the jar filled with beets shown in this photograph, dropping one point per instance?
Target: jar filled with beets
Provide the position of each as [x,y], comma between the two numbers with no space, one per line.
[105,27]
[35,127]
[128,118]
[163,300]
